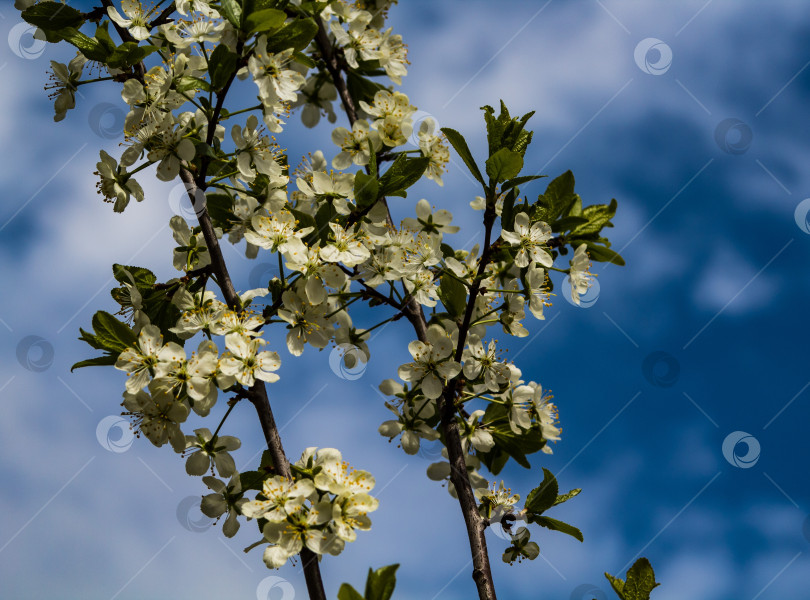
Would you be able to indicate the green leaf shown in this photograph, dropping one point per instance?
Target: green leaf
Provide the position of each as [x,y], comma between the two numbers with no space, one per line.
[347,592]
[266,462]
[568,496]
[128,54]
[504,164]
[402,174]
[520,181]
[221,65]
[361,88]
[567,223]
[556,526]
[52,16]
[233,12]
[90,47]
[508,210]
[543,496]
[111,332]
[516,445]
[103,36]
[267,19]
[303,59]
[296,35]
[380,583]
[366,189]
[598,216]
[372,163]
[143,278]
[100,361]
[251,480]
[557,200]
[504,131]
[460,145]
[603,254]
[617,585]
[186,83]
[250,6]
[453,295]
[640,581]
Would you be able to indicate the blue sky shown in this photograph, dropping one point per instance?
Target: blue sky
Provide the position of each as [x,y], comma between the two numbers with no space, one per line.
[702,335]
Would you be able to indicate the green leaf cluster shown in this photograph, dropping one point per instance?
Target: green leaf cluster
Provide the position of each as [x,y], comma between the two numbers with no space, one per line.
[562,209]
[543,497]
[508,444]
[62,22]
[155,302]
[110,335]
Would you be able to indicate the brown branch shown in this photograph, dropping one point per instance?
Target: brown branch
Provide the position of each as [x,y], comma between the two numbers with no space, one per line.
[482,575]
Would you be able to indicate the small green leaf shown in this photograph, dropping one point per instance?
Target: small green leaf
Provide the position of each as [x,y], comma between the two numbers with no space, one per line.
[567,223]
[103,36]
[252,480]
[519,181]
[361,88]
[296,35]
[100,361]
[508,212]
[366,189]
[504,164]
[453,295]
[347,592]
[53,16]
[233,12]
[144,278]
[90,47]
[515,445]
[557,200]
[556,525]
[303,59]
[221,66]
[543,497]
[640,581]
[603,254]
[380,583]
[128,54]
[402,174]
[617,585]
[187,82]
[267,19]
[372,163]
[111,332]
[597,216]
[568,496]
[460,145]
